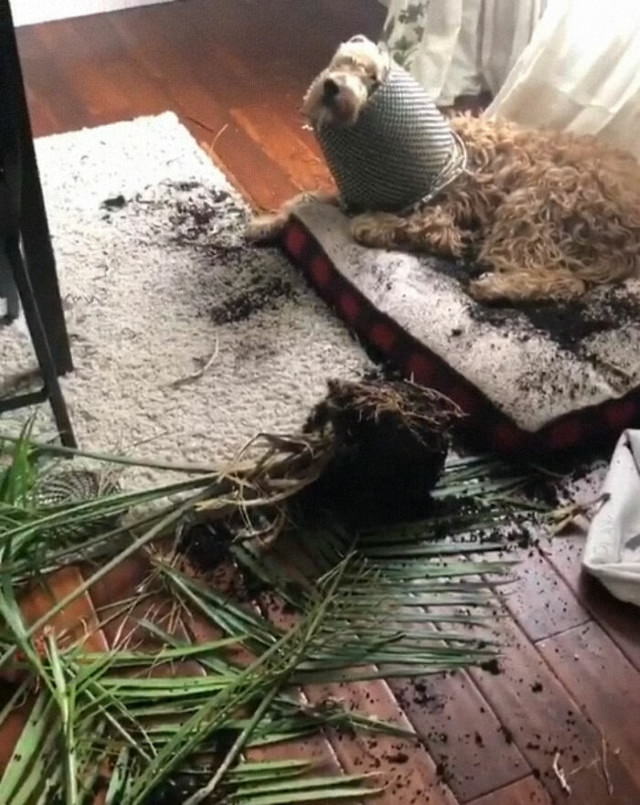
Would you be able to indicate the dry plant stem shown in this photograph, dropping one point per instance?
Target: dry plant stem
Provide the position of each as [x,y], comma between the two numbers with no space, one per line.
[601,762]
[210,148]
[182,381]
[605,767]
[559,773]
[566,515]
[254,488]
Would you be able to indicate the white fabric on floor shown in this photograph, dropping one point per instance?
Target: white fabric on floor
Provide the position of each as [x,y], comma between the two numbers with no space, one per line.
[612,550]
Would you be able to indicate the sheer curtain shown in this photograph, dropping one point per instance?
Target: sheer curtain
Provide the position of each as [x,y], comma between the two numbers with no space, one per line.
[563,64]
[580,72]
[460,47]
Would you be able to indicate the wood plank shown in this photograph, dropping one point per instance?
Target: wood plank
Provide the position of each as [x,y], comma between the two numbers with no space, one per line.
[476,758]
[76,623]
[409,772]
[619,620]
[539,715]
[406,769]
[461,732]
[540,600]
[244,161]
[116,586]
[43,118]
[44,76]
[524,792]
[302,163]
[606,686]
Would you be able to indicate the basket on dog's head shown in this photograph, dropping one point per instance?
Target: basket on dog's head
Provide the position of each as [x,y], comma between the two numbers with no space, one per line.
[386,143]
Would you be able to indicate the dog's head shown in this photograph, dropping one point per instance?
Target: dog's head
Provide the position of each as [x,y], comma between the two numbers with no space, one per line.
[337,96]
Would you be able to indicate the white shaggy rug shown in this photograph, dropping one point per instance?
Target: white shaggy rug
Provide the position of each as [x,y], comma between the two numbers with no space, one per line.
[157,281]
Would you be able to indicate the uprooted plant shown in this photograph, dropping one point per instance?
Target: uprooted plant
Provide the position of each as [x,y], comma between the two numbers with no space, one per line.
[129,721]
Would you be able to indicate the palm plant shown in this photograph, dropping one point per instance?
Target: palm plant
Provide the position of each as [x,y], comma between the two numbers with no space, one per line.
[359,609]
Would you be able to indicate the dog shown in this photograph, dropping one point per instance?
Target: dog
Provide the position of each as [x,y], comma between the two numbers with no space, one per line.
[544,215]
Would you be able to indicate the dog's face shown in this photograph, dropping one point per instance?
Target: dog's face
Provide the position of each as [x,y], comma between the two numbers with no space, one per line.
[337,96]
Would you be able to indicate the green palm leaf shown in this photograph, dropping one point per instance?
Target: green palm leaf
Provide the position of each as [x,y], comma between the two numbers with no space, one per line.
[374,605]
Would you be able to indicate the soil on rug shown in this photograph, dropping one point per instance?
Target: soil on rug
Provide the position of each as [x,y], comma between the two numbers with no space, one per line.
[568,324]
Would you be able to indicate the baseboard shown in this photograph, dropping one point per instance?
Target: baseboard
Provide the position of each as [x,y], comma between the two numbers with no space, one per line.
[29,12]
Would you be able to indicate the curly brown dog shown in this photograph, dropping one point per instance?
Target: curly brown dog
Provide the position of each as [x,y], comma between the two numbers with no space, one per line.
[546,214]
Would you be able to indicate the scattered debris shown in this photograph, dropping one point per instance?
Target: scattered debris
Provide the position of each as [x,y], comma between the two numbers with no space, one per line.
[115,203]
[605,767]
[398,757]
[569,324]
[265,293]
[560,775]
[567,515]
[206,365]
[492,667]
[508,735]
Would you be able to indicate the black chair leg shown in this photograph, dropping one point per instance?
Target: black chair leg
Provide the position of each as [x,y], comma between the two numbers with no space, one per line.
[24,237]
[9,291]
[40,341]
[32,223]
[39,255]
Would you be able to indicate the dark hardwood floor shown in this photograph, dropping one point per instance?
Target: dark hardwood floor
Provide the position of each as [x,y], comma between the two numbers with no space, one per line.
[234,71]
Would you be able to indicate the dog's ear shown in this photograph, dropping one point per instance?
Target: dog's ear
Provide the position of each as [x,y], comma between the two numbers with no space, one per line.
[386,60]
[358,38]
[312,107]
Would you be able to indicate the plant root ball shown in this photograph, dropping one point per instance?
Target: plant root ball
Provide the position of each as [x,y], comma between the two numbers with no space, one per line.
[391,439]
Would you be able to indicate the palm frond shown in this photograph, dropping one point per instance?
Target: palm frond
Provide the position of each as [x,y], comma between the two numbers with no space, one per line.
[385,603]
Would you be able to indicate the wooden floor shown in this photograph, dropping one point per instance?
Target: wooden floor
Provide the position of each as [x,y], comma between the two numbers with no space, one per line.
[568,689]
[233,70]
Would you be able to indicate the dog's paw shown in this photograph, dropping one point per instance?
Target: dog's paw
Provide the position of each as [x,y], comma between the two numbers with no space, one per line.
[487,288]
[265,228]
[527,286]
[374,229]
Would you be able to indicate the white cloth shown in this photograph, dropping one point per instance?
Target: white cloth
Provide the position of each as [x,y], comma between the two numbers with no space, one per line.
[612,550]
[580,72]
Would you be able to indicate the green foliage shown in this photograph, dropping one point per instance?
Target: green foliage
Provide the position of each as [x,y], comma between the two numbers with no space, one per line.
[394,602]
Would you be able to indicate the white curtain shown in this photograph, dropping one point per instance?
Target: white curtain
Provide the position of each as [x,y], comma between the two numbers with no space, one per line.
[580,72]
[563,64]
[460,47]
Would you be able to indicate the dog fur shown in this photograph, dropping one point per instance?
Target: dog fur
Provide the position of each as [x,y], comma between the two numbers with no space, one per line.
[547,215]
